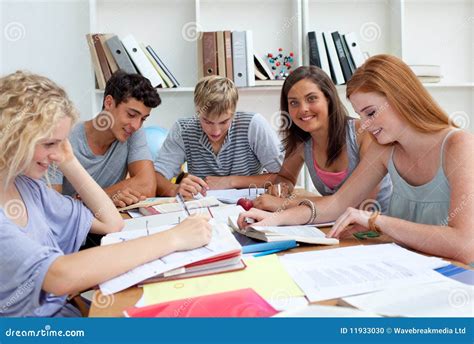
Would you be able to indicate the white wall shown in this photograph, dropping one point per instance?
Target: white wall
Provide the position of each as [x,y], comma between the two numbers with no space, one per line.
[48,38]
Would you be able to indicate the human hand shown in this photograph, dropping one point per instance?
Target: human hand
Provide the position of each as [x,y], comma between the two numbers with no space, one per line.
[126,196]
[279,190]
[262,218]
[195,231]
[192,185]
[342,228]
[270,203]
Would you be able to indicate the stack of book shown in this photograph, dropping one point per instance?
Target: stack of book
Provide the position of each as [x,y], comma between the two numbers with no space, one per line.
[427,73]
[231,54]
[339,55]
[110,54]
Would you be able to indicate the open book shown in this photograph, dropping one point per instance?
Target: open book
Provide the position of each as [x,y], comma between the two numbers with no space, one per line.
[223,245]
[306,234]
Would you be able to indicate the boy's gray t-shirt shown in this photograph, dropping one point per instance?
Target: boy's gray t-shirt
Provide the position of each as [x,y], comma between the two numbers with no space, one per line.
[107,169]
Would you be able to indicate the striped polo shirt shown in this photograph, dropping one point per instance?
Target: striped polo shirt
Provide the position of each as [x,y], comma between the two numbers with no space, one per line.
[250,147]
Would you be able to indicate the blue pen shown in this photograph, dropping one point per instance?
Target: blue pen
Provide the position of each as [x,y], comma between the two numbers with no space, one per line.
[266,253]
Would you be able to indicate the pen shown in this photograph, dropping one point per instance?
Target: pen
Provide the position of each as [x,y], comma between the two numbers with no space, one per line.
[266,253]
[181,202]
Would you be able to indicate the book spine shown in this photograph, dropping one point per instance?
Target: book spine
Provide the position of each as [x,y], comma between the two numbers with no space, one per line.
[239,58]
[166,81]
[314,59]
[120,55]
[162,65]
[99,76]
[346,70]
[228,55]
[334,63]
[354,48]
[348,54]
[221,54]
[141,61]
[249,54]
[209,51]
[323,55]
[104,65]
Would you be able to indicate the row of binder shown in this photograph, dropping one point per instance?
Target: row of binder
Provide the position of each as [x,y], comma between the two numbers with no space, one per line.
[339,55]
[110,54]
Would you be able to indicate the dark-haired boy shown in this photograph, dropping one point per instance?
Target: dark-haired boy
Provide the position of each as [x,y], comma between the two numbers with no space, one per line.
[112,145]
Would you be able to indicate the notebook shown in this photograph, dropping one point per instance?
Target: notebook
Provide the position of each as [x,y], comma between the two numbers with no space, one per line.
[305,234]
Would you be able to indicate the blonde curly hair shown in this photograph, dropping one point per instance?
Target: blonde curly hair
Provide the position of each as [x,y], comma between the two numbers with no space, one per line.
[30,105]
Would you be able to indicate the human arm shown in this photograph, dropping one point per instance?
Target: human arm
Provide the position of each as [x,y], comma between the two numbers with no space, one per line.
[358,186]
[453,239]
[107,219]
[73,273]
[239,182]
[140,185]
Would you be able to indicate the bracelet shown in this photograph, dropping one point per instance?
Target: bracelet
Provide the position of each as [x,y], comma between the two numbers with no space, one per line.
[372,219]
[310,205]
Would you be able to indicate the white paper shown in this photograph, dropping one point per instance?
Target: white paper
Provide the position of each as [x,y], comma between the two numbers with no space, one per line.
[448,298]
[233,195]
[294,231]
[222,241]
[319,311]
[341,272]
[200,205]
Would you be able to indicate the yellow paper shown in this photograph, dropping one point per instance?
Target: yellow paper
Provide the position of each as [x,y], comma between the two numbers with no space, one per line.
[265,275]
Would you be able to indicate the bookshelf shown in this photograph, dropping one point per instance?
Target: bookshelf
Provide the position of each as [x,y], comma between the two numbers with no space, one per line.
[419,31]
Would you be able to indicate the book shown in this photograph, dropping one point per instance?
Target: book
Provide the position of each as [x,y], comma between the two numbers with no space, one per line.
[348,54]
[346,69]
[236,303]
[108,54]
[220,54]
[250,57]
[209,53]
[104,65]
[167,83]
[267,246]
[149,202]
[99,75]
[304,234]
[354,48]
[334,63]
[263,67]
[239,58]
[200,66]
[314,59]
[222,245]
[120,55]
[323,54]
[162,65]
[258,75]
[229,71]
[140,60]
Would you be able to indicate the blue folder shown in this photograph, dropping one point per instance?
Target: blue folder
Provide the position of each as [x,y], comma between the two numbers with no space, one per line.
[269,246]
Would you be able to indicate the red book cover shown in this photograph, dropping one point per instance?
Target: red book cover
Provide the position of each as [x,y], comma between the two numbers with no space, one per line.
[242,303]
